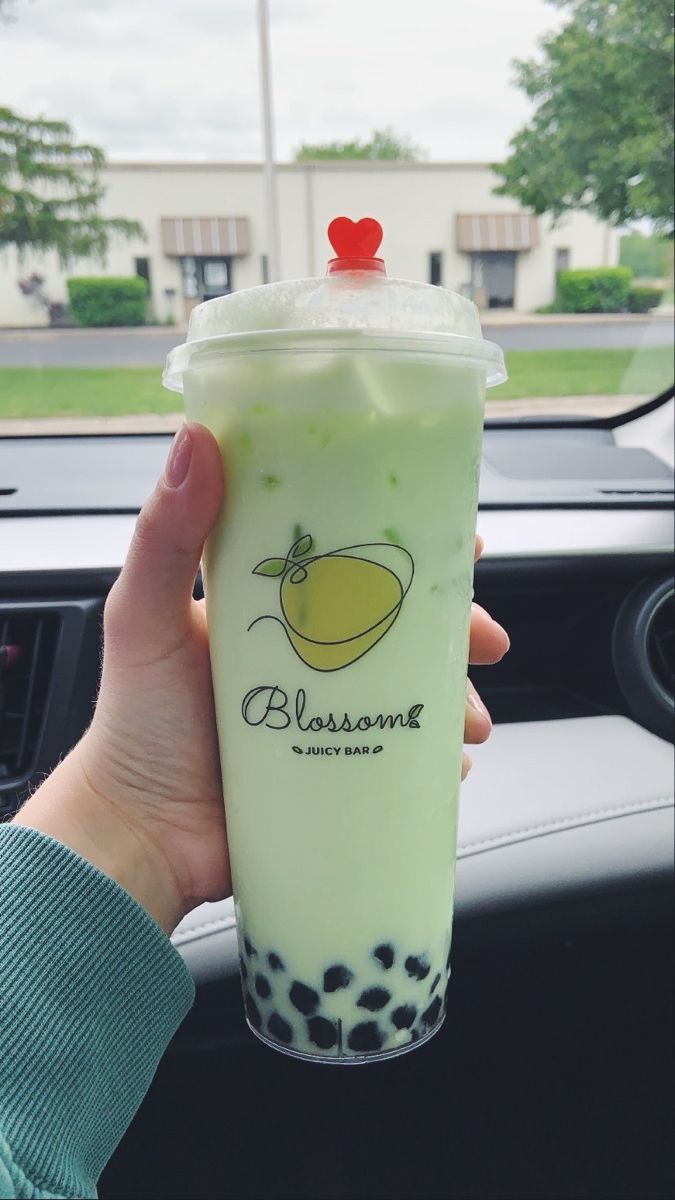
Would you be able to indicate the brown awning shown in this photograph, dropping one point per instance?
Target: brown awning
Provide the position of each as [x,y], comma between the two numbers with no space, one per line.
[496,231]
[209,237]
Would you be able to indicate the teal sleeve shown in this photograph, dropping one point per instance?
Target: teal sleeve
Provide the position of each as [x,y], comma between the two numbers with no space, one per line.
[91,992]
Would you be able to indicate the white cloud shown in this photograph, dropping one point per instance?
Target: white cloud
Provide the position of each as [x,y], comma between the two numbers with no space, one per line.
[159,79]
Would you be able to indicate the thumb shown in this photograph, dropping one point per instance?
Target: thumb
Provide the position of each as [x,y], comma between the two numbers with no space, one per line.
[148,610]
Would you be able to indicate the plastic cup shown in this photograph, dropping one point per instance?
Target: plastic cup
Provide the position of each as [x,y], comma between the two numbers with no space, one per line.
[338,586]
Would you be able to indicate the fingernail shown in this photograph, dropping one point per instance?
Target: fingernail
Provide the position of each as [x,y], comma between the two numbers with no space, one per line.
[178,462]
[476,703]
[506,636]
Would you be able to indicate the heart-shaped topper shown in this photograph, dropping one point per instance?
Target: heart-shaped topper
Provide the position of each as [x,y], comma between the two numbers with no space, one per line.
[355,239]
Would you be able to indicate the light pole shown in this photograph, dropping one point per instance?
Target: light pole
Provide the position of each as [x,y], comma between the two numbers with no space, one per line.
[271,199]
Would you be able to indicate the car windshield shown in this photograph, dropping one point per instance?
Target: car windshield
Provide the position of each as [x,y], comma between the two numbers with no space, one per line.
[518,154]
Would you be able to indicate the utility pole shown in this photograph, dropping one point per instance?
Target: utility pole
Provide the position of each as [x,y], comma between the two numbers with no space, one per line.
[271,198]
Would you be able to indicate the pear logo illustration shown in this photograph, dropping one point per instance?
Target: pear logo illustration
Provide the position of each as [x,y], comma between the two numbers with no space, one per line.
[335,607]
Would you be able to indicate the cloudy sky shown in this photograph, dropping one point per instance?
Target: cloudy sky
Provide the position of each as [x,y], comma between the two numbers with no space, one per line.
[172,79]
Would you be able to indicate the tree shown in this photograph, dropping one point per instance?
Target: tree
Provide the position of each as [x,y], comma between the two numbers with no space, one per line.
[382,144]
[50,190]
[648,256]
[601,134]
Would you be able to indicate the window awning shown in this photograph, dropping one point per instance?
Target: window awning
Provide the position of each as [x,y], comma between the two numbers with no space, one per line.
[496,231]
[205,237]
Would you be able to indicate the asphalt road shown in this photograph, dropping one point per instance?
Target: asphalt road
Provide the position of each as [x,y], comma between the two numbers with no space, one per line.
[149,347]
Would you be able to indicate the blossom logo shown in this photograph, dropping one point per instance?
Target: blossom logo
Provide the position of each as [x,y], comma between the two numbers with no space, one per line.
[335,607]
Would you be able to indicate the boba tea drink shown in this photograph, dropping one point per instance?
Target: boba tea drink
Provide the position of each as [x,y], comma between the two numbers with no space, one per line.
[338,582]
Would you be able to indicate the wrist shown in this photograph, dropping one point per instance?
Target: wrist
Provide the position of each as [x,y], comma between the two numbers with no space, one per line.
[68,808]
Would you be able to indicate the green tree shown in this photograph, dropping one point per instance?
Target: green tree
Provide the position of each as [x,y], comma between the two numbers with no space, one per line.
[382,144]
[647,255]
[50,190]
[602,130]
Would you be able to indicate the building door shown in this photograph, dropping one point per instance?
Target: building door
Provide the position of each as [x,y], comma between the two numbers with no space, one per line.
[204,279]
[494,277]
[215,277]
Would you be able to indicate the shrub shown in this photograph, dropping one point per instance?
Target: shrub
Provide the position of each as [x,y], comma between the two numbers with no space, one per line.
[602,289]
[108,300]
[642,299]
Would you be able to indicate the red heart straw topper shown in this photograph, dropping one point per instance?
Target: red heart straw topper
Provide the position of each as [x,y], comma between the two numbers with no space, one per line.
[355,244]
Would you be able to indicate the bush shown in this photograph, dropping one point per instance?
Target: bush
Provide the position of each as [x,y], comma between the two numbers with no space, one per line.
[642,299]
[108,300]
[602,289]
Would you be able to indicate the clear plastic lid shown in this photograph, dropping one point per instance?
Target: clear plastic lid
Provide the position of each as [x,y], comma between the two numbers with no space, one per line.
[354,306]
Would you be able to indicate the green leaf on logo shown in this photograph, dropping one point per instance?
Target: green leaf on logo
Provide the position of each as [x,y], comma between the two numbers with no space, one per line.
[271,566]
[301,547]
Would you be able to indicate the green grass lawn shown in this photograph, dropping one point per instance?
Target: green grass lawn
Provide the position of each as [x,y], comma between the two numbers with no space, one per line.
[70,392]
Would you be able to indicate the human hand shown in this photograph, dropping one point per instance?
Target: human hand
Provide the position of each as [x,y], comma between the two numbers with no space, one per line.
[140,796]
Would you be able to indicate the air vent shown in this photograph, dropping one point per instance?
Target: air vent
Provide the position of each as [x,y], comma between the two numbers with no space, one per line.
[27,648]
[643,653]
[661,643]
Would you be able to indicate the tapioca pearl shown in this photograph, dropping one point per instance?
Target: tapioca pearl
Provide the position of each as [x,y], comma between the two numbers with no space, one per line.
[374,999]
[276,963]
[414,1036]
[417,967]
[243,968]
[431,1014]
[384,953]
[304,998]
[262,987]
[322,1033]
[366,1036]
[250,948]
[252,1011]
[404,1016]
[336,977]
[280,1029]
[434,985]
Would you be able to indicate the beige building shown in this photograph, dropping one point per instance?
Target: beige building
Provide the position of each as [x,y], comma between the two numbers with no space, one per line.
[205,227]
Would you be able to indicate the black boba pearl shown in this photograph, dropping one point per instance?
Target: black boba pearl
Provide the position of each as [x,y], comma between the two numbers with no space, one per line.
[250,948]
[384,955]
[276,963]
[280,1029]
[243,968]
[304,998]
[417,968]
[262,987]
[322,1033]
[414,1036]
[252,1011]
[435,984]
[430,1015]
[337,977]
[374,999]
[366,1036]
[404,1016]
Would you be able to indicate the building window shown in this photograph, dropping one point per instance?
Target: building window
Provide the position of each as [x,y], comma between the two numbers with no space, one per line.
[436,268]
[562,259]
[142,267]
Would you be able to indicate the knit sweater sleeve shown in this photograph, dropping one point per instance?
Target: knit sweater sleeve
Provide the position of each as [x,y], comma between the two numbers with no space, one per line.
[91,992]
